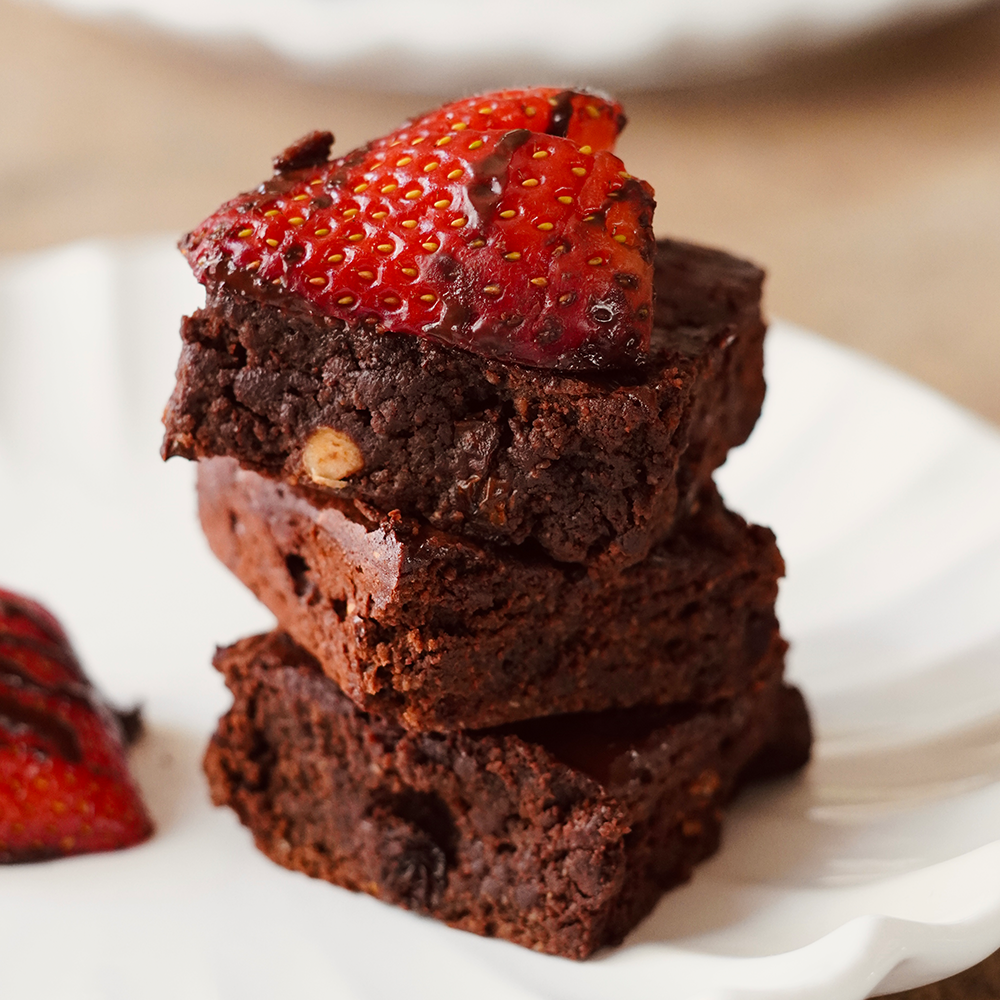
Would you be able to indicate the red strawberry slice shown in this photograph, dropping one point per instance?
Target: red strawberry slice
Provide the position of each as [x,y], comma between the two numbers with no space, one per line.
[21,616]
[586,119]
[64,785]
[513,244]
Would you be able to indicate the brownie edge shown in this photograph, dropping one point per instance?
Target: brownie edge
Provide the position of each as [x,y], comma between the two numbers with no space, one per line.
[559,834]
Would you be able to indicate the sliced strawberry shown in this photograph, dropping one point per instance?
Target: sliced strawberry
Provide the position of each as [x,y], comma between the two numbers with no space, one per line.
[64,785]
[586,119]
[44,663]
[22,616]
[51,807]
[513,244]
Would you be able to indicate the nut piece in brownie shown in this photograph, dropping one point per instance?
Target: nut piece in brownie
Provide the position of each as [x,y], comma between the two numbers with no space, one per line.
[586,467]
[559,834]
[442,632]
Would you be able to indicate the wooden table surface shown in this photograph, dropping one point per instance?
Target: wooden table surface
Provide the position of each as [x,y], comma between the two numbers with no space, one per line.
[866,178]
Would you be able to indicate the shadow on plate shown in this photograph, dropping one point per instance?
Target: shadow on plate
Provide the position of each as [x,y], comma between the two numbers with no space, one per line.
[868,809]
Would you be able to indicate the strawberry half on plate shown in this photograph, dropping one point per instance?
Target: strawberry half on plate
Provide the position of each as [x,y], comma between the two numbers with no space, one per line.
[64,784]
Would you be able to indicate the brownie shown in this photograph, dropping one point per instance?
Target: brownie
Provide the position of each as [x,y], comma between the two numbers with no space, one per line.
[441,632]
[559,834]
[586,468]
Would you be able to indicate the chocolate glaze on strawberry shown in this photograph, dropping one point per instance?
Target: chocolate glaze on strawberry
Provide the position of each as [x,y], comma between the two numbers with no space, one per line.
[490,174]
[23,617]
[562,112]
[50,734]
[42,666]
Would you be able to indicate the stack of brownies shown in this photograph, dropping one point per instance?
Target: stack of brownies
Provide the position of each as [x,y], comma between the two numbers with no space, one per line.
[525,654]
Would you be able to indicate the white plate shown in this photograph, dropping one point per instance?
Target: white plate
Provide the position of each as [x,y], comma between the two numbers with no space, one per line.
[877,869]
[454,46]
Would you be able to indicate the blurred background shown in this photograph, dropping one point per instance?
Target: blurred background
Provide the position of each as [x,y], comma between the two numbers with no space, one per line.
[852,147]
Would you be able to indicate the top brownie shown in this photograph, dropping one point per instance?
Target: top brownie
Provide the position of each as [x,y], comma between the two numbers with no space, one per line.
[588,468]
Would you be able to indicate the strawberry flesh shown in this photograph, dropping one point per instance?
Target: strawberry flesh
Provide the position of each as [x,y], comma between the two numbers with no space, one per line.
[64,785]
[514,244]
[586,119]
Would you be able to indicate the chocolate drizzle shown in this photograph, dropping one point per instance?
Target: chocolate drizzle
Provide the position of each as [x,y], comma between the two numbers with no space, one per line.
[338,178]
[17,719]
[488,181]
[14,675]
[31,692]
[12,607]
[58,652]
[562,113]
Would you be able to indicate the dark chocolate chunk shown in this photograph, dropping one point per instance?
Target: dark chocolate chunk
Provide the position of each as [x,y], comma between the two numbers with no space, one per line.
[309,151]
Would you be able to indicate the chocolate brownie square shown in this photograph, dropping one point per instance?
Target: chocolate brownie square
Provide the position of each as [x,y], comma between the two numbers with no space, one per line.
[441,632]
[586,468]
[559,834]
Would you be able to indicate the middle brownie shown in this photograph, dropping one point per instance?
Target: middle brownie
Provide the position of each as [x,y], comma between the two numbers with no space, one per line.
[440,633]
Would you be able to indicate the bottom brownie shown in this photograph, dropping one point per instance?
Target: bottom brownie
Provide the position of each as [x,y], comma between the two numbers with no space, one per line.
[558,834]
